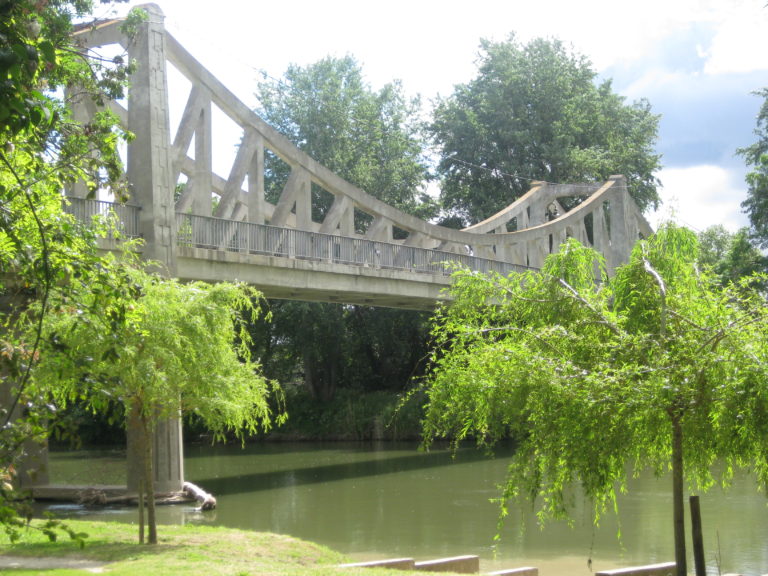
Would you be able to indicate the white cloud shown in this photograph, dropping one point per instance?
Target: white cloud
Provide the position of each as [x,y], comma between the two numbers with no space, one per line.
[741,41]
[701,196]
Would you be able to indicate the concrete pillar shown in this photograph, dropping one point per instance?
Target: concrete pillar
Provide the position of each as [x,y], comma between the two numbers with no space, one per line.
[256,201]
[167,452]
[202,183]
[618,252]
[150,176]
[32,464]
[83,110]
[150,165]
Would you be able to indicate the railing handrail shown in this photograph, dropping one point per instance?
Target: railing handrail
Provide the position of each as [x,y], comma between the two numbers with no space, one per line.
[84,209]
[211,232]
[431,260]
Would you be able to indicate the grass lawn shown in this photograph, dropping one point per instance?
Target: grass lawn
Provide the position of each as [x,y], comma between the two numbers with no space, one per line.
[189,550]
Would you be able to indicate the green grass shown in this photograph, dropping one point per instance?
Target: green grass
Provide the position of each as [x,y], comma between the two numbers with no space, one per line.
[190,550]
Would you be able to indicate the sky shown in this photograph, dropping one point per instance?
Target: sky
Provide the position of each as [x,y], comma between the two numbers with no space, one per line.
[696,61]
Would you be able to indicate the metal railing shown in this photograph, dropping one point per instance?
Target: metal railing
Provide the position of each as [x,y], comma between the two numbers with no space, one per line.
[247,237]
[117,219]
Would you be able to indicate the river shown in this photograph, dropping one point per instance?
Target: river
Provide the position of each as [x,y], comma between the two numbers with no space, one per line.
[392,500]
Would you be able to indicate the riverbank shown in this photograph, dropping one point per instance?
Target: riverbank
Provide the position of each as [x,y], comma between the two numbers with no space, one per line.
[190,550]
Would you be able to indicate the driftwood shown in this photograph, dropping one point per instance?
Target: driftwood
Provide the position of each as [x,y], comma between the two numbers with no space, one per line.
[207,501]
[111,495]
[96,497]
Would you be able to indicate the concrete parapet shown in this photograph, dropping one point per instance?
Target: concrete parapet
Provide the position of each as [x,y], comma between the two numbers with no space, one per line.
[525,571]
[396,563]
[460,564]
[664,569]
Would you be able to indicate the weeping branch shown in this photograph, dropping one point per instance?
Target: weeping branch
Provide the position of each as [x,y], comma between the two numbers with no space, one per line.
[662,292]
[579,298]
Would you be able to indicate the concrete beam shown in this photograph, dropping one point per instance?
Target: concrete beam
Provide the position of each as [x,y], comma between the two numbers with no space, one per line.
[395,563]
[664,569]
[525,571]
[460,564]
[308,280]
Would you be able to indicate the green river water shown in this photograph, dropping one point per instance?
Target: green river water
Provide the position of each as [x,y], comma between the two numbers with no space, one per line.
[392,500]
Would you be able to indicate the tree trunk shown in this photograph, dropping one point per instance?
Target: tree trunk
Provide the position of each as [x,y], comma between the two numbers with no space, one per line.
[678,504]
[149,482]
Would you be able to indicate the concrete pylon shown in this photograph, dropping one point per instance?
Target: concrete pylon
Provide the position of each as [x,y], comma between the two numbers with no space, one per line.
[32,467]
[150,163]
[151,186]
[167,452]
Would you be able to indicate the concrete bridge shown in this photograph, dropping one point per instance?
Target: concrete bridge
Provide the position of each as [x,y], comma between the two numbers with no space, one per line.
[360,250]
[393,260]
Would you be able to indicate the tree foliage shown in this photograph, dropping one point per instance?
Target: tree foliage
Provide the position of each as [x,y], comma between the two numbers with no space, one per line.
[731,256]
[756,158]
[371,139]
[157,343]
[536,112]
[660,367]
[43,150]
[334,346]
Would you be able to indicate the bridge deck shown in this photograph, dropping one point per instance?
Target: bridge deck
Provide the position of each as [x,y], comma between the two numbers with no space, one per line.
[292,264]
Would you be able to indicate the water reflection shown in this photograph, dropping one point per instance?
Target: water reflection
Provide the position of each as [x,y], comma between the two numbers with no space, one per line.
[397,501]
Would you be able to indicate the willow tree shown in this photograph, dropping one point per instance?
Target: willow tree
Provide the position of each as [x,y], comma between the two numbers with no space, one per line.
[659,367]
[155,345]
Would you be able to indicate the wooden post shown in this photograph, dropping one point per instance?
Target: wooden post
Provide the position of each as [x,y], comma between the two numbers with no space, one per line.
[678,503]
[698,540]
[141,511]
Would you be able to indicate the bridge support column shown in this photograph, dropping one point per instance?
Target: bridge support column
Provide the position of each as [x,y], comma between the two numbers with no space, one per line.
[150,165]
[167,455]
[31,458]
[150,176]
[32,463]
[623,230]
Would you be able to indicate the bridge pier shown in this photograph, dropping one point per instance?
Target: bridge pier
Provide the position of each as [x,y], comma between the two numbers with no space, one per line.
[31,458]
[167,455]
[150,178]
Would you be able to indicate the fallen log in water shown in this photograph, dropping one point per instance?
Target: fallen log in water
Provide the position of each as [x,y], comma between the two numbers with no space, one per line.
[96,497]
[118,495]
[207,501]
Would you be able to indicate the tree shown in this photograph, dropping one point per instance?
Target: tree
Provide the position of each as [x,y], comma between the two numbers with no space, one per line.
[660,367]
[731,256]
[756,157]
[42,150]
[371,139]
[535,112]
[160,342]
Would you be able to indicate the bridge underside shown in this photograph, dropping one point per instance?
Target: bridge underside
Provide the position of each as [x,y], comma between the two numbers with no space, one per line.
[312,280]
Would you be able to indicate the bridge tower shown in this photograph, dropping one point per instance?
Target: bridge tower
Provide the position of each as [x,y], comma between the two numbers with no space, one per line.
[151,186]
